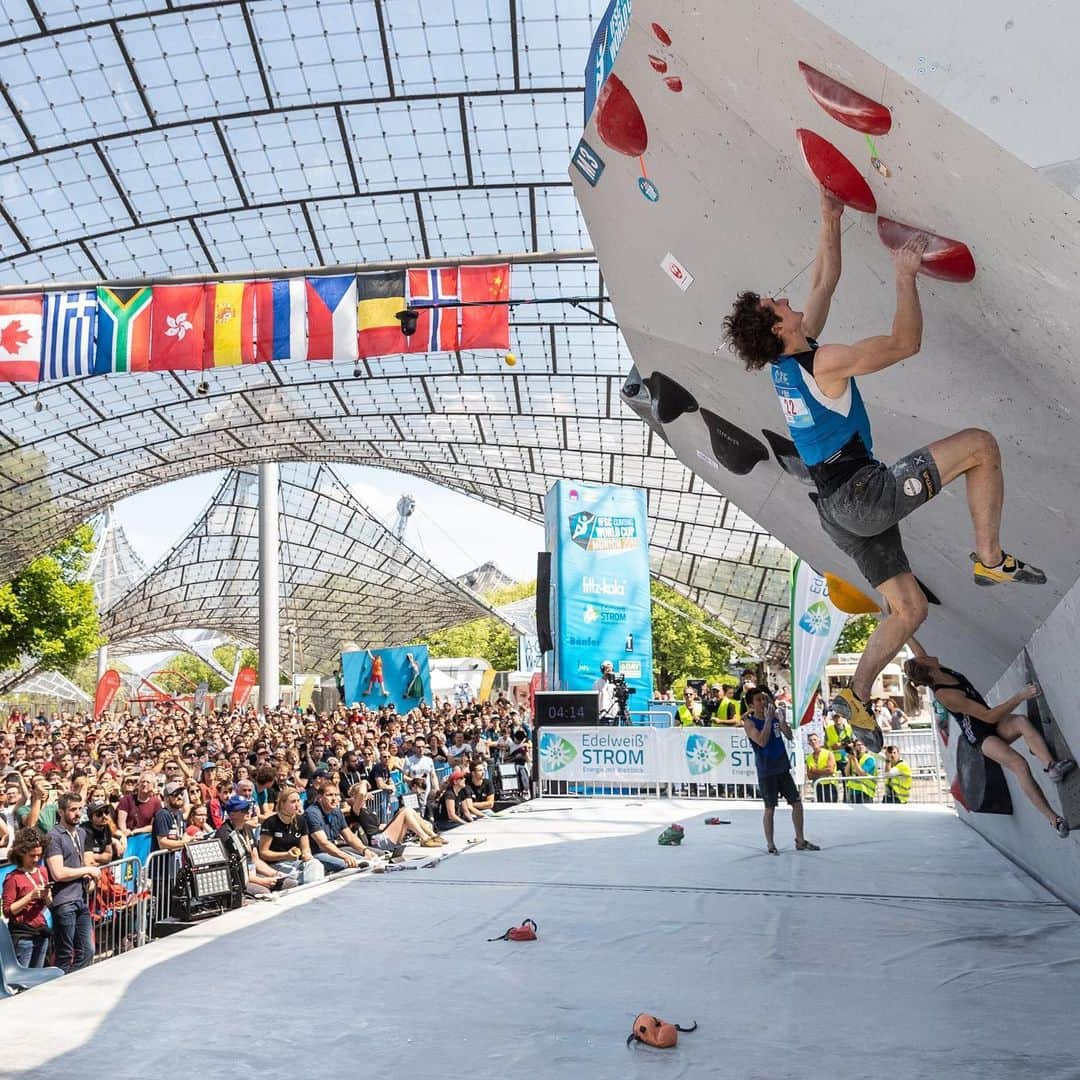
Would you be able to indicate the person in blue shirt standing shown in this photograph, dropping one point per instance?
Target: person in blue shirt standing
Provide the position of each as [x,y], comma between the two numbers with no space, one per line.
[859,499]
[766,732]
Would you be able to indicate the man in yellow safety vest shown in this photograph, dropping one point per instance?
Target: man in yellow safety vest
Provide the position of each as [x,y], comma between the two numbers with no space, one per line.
[838,737]
[897,776]
[861,766]
[821,770]
[689,712]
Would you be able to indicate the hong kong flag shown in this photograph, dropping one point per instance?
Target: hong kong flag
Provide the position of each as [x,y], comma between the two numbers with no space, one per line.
[177,328]
[485,327]
[20,338]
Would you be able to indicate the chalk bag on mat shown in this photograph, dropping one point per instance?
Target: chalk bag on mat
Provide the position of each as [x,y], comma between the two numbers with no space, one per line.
[652,1031]
[525,932]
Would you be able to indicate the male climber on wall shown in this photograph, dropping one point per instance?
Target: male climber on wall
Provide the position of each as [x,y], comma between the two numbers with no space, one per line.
[860,500]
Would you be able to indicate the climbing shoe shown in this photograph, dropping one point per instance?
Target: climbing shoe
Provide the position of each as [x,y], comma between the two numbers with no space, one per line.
[856,713]
[1062,827]
[1010,569]
[672,836]
[1058,770]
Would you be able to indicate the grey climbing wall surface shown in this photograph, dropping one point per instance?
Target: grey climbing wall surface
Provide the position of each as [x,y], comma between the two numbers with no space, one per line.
[704,192]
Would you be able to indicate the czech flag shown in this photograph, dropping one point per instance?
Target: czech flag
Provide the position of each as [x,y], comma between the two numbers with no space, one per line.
[331,318]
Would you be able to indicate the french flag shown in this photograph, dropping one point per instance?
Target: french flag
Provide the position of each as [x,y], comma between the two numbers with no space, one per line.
[280,320]
[331,318]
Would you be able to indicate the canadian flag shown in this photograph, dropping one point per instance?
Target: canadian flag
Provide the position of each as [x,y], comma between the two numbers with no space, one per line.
[20,338]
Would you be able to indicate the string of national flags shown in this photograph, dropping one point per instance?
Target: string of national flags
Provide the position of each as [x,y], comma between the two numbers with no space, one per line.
[61,335]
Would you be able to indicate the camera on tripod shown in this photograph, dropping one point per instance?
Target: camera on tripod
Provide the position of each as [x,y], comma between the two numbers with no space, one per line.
[622,694]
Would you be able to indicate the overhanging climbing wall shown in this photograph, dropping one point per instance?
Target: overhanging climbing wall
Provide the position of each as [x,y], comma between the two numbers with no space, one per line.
[694,185]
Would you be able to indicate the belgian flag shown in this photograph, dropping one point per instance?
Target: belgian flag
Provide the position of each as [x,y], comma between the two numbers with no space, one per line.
[380,297]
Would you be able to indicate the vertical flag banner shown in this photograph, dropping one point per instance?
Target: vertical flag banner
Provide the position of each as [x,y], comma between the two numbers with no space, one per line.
[331,307]
[437,327]
[601,605]
[230,325]
[816,625]
[177,327]
[484,327]
[20,338]
[123,330]
[107,687]
[70,319]
[245,679]
[280,320]
[379,298]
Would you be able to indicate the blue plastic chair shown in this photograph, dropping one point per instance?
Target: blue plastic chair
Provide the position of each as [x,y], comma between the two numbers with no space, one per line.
[15,976]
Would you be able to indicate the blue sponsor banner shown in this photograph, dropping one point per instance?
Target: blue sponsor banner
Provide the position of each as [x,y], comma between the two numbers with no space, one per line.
[600,603]
[386,676]
[605,48]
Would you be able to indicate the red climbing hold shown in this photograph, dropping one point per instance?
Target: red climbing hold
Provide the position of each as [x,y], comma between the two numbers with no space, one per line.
[674,83]
[835,173]
[949,260]
[851,108]
[658,64]
[619,121]
[661,34]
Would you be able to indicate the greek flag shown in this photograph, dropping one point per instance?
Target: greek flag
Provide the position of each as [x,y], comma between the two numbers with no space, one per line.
[70,321]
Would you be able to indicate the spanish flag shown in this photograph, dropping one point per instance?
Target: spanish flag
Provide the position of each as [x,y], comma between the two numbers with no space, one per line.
[379,298]
[230,325]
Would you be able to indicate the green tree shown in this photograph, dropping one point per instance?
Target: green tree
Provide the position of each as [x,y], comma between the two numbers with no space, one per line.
[487,638]
[178,669]
[856,633]
[682,647]
[48,612]
[225,655]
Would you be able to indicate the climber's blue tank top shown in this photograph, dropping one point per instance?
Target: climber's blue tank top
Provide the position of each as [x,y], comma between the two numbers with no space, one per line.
[820,427]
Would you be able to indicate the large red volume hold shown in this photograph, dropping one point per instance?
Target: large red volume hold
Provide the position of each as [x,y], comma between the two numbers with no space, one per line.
[619,121]
[949,260]
[852,109]
[835,173]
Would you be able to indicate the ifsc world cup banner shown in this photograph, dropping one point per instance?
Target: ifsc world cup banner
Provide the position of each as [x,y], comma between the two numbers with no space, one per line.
[601,607]
[816,626]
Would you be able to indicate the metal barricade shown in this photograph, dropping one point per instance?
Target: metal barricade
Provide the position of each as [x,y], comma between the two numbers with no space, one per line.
[120,908]
[381,806]
[928,788]
[652,718]
[160,870]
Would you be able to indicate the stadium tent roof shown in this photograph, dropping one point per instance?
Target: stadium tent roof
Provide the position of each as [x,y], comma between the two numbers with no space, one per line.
[159,140]
[344,576]
[50,684]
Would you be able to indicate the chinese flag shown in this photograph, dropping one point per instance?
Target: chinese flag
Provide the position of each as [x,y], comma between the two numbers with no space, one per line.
[484,327]
[177,328]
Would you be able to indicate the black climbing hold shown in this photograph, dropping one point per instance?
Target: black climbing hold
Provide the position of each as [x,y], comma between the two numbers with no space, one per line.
[931,598]
[737,450]
[982,781]
[669,399]
[787,457]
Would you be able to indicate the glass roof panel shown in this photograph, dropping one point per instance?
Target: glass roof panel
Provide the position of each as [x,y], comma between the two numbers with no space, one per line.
[174,172]
[452,46]
[319,50]
[169,248]
[253,239]
[195,63]
[71,86]
[496,125]
[554,41]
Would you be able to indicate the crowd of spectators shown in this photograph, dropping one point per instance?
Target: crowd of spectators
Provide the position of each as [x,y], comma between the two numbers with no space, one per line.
[299,795]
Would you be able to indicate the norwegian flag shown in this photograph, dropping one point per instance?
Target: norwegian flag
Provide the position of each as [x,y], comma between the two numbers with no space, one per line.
[437,327]
[20,338]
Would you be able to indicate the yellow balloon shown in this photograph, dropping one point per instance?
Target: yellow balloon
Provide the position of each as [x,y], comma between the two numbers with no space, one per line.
[847,598]
[510,359]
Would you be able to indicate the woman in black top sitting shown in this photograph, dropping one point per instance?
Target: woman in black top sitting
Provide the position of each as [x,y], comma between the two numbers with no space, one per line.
[992,730]
[284,842]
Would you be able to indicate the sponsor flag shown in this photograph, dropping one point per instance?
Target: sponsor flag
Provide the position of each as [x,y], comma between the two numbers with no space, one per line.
[379,298]
[245,680]
[331,307]
[107,686]
[816,625]
[70,319]
[484,327]
[230,325]
[123,330]
[177,328]
[437,327]
[20,338]
[280,320]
